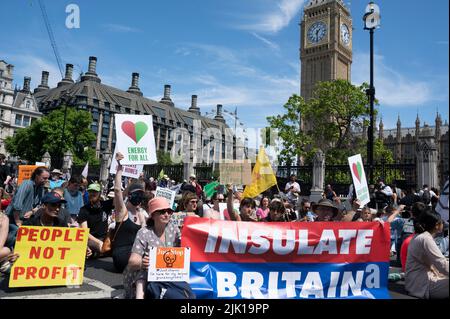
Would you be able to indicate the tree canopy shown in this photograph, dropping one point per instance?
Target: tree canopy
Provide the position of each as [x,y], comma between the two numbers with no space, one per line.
[45,134]
[333,120]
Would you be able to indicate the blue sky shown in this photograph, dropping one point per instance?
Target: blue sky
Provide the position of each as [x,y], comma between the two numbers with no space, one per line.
[239,53]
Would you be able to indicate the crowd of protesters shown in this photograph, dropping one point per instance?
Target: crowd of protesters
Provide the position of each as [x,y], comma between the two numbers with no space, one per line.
[126,219]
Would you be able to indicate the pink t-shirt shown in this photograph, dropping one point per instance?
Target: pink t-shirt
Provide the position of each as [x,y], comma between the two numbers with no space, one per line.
[262,213]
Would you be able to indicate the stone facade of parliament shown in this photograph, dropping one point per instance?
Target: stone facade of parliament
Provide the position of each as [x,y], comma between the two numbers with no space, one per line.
[103,101]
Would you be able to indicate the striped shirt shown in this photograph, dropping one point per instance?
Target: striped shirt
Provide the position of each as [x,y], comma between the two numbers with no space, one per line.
[27,197]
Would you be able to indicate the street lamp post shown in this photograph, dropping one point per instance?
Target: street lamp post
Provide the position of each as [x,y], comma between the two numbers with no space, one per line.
[371,21]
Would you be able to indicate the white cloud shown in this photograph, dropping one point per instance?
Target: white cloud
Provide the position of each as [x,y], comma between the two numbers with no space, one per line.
[31,65]
[392,87]
[120,28]
[271,44]
[276,18]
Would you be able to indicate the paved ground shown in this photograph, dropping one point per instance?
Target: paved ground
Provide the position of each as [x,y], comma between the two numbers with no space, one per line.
[102,282]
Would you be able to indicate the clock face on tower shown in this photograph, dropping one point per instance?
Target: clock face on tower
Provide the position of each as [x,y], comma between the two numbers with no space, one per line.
[345,34]
[316,32]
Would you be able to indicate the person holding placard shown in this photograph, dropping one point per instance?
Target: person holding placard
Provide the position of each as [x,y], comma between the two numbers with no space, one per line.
[247,208]
[160,232]
[129,218]
[214,211]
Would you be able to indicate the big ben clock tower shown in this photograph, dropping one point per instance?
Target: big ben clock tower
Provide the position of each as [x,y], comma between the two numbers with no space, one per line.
[325,44]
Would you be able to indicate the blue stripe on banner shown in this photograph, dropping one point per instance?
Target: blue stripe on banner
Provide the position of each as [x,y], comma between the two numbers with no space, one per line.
[289,281]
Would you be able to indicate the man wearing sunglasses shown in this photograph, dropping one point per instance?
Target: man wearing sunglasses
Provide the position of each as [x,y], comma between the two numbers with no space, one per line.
[48,214]
[213,211]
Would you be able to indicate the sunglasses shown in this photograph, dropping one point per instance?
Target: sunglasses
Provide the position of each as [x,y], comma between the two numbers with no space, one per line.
[163,212]
[193,201]
[220,199]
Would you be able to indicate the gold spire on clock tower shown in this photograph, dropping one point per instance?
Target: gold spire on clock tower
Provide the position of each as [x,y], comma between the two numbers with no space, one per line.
[325,44]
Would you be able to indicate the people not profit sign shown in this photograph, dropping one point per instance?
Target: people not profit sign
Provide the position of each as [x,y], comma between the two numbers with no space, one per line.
[135,139]
[49,256]
[359,178]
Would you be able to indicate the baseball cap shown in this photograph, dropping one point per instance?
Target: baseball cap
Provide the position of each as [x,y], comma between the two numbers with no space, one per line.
[53,198]
[94,187]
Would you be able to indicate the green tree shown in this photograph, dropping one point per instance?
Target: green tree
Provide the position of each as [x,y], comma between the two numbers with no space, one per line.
[45,134]
[337,110]
[294,141]
[163,158]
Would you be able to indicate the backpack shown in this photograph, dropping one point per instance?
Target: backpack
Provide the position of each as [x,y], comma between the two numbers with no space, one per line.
[169,290]
[407,229]
[426,197]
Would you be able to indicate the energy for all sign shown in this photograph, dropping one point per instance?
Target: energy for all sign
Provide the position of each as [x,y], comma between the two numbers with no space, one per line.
[135,139]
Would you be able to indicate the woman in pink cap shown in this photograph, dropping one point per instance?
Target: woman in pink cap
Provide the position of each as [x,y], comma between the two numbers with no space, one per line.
[159,232]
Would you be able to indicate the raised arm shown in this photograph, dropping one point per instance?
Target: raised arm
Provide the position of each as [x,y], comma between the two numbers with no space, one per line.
[230,208]
[119,204]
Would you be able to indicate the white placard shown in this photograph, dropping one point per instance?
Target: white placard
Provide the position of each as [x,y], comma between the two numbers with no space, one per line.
[133,171]
[40,164]
[135,139]
[166,193]
[169,264]
[359,179]
[222,207]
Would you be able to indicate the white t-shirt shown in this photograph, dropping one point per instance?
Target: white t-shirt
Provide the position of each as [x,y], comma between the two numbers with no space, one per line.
[289,192]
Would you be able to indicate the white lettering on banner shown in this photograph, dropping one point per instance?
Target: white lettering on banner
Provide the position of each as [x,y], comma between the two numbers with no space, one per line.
[291,278]
[312,286]
[226,284]
[260,242]
[363,239]
[252,284]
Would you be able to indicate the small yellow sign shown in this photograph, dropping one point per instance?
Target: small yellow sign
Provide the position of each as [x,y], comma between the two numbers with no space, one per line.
[49,256]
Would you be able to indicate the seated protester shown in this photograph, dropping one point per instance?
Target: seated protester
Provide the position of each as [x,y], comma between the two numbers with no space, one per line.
[410,198]
[49,214]
[159,232]
[188,207]
[325,210]
[247,208]
[64,214]
[7,257]
[129,217]
[393,216]
[74,197]
[213,211]
[292,216]
[427,273]
[94,216]
[277,212]
[263,211]
[56,179]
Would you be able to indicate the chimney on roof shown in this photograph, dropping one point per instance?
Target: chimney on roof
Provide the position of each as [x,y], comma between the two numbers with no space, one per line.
[92,69]
[26,84]
[68,77]
[219,116]
[194,108]
[44,82]
[134,88]
[166,99]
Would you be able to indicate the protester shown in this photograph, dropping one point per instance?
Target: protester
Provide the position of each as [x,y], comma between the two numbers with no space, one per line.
[247,208]
[129,218]
[366,215]
[5,171]
[160,232]
[56,179]
[426,195]
[427,273]
[263,210]
[397,194]
[292,189]
[94,216]
[28,197]
[325,210]
[64,213]
[277,212]
[383,195]
[188,207]
[7,257]
[214,211]
[329,193]
[49,214]
[304,211]
[74,197]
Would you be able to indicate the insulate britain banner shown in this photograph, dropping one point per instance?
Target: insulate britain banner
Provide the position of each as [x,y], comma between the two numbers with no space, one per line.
[287,260]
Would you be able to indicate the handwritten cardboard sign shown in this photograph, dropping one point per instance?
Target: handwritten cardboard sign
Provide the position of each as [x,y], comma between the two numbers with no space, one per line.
[169,264]
[25,172]
[238,173]
[166,193]
[49,256]
[135,139]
